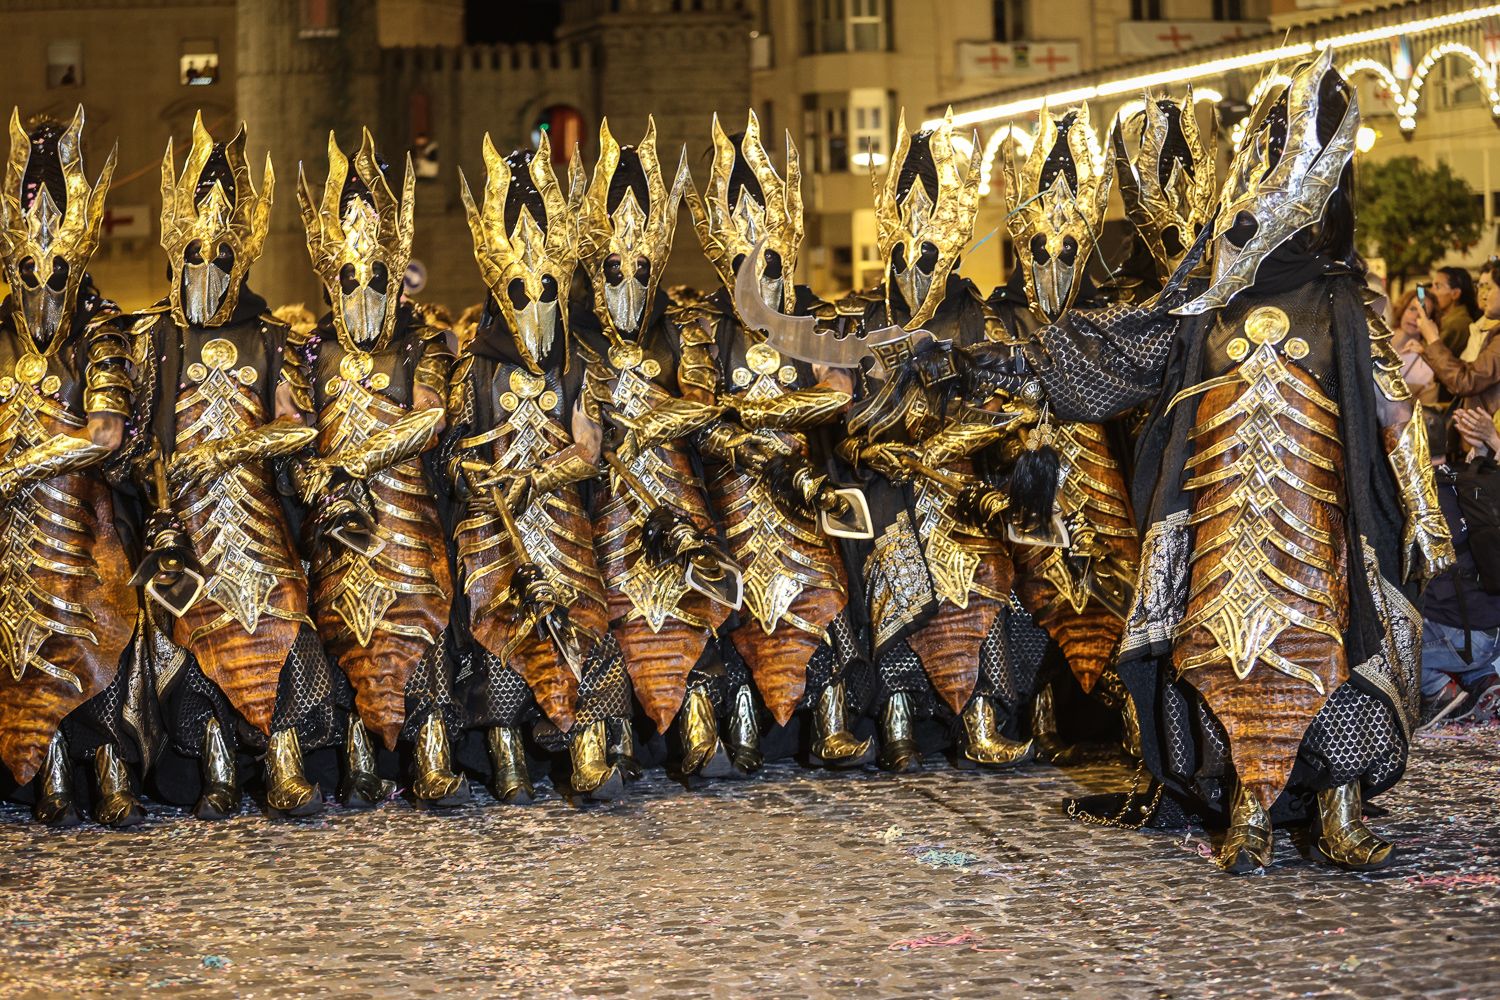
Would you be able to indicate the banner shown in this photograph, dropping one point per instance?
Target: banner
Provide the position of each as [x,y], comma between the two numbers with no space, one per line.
[1155,38]
[977,60]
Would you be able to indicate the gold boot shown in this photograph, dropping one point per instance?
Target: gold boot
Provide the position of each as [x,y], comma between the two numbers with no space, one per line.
[833,744]
[702,752]
[117,806]
[360,787]
[220,797]
[1049,745]
[288,792]
[509,781]
[898,742]
[56,805]
[621,751]
[1131,723]
[594,776]
[744,733]
[436,783]
[1343,837]
[983,743]
[1247,845]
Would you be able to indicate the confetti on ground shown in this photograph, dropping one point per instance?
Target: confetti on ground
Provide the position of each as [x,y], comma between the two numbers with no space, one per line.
[788,884]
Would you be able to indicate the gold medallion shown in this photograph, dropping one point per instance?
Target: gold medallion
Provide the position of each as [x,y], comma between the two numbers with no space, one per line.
[1297,348]
[509,401]
[787,375]
[246,375]
[51,384]
[379,381]
[526,386]
[356,365]
[7,387]
[651,368]
[220,354]
[742,377]
[30,368]
[763,359]
[548,400]
[1267,325]
[196,372]
[625,355]
[1237,349]
[333,385]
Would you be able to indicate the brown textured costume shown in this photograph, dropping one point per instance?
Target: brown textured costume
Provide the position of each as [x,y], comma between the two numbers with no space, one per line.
[67,612]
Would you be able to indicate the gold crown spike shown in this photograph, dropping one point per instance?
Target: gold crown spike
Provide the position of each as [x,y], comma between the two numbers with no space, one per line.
[239,221]
[634,231]
[1167,213]
[1056,228]
[531,250]
[48,233]
[373,229]
[726,232]
[917,218]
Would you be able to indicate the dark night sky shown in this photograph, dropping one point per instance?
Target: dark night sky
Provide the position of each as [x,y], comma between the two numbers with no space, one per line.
[488,21]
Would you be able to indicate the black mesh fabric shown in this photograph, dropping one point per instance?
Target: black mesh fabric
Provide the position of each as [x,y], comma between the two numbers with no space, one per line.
[310,693]
[494,694]
[1097,363]
[604,692]
[900,670]
[429,688]
[192,700]
[1355,736]
[101,719]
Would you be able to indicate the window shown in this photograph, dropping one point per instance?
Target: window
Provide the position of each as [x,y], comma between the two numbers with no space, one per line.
[1010,20]
[564,127]
[320,19]
[1145,10]
[198,66]
[1229,10]
[844,25]
[65,64]
[845,131]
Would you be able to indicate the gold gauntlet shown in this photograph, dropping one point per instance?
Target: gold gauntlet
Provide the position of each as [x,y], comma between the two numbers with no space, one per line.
[213,458]
[562,469]
[406,438]
[668,420]
[793,410]
[1426,544]
[59,454]
[959,440]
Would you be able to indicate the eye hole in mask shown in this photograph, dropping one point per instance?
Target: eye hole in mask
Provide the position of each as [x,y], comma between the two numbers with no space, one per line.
[224,260]
[898,258]
[1171,241]
[549,288]
[773,265]
[59,279]
[1039,252]
[643,271]
[1243,230]
[194,252]
[927,262]
[1069,252]
[28,272]
[614,270]
[379,277]
[517,292]
[346,279]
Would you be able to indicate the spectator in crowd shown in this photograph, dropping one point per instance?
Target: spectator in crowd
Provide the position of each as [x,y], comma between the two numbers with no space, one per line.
[1479,330]
[1461,632]
[1406,338]
[1457,305]
[1475,383]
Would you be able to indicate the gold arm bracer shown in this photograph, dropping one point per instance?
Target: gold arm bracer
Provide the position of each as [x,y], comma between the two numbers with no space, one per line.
[1426,543]
[1385,363]
[697,372]
[212,458]
[959,440]
[406,438]
[59,454]
[107,387]
[293,371]
[793,411]
[669,420]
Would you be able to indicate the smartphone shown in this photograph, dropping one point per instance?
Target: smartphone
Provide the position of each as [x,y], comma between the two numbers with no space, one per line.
[1422,294]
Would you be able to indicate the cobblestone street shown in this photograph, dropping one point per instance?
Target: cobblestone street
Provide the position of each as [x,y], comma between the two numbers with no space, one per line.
[792,884]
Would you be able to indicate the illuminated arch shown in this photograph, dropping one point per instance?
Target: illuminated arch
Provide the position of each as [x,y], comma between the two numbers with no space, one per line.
[1483,72]
[1023,139]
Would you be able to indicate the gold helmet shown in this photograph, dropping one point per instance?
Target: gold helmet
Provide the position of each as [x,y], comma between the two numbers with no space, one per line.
[359,237]
[747,202]
[1283,176]
[1057,201]
[924,214]
[625,231]
[49,223]
[213,225]
[1166,174]
[526,242]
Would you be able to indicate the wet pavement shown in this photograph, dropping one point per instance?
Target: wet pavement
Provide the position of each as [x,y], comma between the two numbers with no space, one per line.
[795,883]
